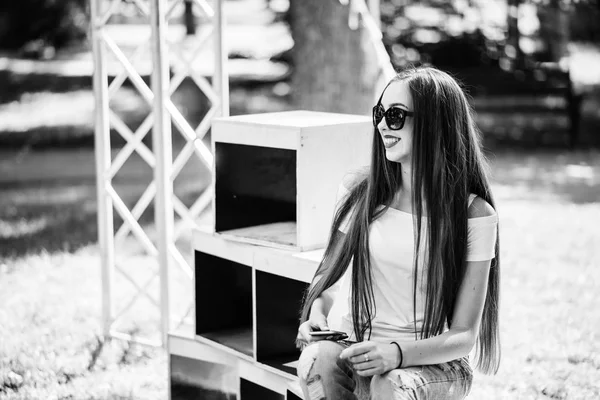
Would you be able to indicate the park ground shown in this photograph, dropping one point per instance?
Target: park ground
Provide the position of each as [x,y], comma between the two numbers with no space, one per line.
[50,292]
[51,344]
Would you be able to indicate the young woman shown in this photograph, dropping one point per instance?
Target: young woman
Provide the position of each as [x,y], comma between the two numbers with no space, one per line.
[411,270]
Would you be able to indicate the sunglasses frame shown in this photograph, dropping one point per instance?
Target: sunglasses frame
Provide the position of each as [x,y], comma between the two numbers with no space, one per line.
[379,110]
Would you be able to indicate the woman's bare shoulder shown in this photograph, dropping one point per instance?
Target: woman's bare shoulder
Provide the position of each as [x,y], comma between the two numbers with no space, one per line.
[480,208]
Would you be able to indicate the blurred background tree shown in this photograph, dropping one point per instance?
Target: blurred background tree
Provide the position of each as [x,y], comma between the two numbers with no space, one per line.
[36,25]
[335,69]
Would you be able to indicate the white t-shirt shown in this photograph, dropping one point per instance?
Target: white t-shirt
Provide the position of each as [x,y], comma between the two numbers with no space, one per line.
[391,246]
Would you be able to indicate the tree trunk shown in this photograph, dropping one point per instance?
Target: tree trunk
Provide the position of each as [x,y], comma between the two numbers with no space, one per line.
[554,29]
[514,35]
[335,69]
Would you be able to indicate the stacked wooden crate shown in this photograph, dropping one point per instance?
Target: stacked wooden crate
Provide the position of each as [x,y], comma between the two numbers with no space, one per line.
[275,178]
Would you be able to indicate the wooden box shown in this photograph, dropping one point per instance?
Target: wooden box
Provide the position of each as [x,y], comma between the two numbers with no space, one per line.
[276,175]
[199,370]
[248,297]
[224,293]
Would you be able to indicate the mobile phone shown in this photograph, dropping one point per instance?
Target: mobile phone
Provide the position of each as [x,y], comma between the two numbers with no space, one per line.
[329,335]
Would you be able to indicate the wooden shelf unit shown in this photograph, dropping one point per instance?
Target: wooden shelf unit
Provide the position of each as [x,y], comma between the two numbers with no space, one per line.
[264,344]
[276,178]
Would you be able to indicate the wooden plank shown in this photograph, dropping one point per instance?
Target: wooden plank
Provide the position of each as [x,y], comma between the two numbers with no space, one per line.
[294,119]
[214,244]
[281,235]
[313,255]
[239,339]
[267,377]
[192,348]
[291,263]
[286,264]
[232,131]
[225,349]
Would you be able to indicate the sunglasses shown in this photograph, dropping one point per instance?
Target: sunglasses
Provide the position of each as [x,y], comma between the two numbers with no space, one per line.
[394,116]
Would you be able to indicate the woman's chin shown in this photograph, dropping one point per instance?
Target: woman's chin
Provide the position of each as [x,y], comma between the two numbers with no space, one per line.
[395,157]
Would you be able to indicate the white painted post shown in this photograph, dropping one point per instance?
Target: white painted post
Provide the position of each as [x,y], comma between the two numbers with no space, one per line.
[161,140]
[375,12]
[103,161]
[220,75]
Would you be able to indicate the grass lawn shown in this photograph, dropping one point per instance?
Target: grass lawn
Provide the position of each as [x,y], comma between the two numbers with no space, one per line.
[50,300]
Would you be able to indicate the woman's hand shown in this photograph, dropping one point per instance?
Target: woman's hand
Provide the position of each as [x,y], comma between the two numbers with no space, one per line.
[372,358]
[316,322]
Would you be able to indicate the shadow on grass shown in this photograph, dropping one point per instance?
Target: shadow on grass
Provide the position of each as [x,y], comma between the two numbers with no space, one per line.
[49,199]
[570,176]
[50,231]
[12,86]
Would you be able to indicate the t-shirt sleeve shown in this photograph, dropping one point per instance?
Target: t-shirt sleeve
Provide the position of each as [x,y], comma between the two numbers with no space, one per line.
[481,238]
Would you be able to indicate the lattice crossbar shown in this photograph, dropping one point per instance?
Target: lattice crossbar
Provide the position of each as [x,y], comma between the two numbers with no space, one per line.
[137,210]
[166,171]
[140,291]
[134,143]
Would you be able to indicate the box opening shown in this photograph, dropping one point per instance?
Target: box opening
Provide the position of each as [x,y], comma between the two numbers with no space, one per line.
[224,302]
[278,302]
[255,193]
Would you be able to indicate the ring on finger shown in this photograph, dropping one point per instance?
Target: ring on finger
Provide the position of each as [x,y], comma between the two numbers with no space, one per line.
[366,357]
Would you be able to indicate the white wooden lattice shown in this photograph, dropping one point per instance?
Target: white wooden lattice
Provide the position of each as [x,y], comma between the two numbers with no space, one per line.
[165,54]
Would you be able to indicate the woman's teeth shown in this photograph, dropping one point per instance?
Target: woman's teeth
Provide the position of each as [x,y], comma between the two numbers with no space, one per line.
[390,141]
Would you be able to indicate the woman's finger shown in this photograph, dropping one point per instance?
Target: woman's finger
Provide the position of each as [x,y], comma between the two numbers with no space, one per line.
[304,332]
[357,349]
[363,366]
[369,372]
[322,325]
[362,358]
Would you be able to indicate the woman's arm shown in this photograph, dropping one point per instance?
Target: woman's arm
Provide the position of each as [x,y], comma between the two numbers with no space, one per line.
[460,338]
[455,343]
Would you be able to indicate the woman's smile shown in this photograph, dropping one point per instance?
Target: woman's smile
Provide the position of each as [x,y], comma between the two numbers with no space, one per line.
[390,141]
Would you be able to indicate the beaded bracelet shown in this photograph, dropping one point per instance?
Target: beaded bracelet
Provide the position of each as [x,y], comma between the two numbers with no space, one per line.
[401,355]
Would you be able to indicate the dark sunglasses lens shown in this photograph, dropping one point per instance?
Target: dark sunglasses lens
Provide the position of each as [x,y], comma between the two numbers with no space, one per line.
[394,118]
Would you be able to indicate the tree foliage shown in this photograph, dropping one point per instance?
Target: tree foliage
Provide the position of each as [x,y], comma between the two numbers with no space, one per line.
[53,22]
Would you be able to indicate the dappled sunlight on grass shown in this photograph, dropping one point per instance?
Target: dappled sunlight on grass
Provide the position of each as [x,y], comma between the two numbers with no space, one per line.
[22,227]
[51,109]
[50,302]
[550,280]
[49,198]
[51,335]
[544,175]
[549,208]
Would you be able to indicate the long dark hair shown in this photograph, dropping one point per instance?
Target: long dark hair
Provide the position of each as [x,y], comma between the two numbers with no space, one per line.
[448,165]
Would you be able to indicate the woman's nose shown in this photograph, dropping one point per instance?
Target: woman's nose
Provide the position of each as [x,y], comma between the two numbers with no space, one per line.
[382,126]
